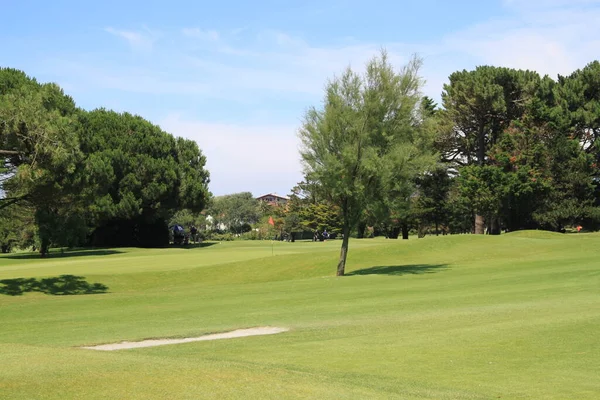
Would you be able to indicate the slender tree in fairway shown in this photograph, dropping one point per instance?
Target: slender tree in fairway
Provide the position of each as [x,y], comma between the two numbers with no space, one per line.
[366,142]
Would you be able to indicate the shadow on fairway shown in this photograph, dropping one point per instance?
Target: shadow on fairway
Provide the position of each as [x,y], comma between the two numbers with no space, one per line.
[398,270]
[193,245]
[59,285]
[59,254]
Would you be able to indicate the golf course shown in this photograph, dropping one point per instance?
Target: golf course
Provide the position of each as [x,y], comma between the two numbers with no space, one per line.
[515,316]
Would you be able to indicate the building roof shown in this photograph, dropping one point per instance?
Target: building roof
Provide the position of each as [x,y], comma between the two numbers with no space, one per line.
[273,195]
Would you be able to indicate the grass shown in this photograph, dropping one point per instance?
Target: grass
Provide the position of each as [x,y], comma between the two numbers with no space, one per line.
[456,317]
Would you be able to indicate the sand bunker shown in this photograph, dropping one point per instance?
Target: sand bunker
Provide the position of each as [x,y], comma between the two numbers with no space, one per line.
[215,336]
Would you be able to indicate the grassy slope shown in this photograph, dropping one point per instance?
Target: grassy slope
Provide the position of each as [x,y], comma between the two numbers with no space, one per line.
[463,317]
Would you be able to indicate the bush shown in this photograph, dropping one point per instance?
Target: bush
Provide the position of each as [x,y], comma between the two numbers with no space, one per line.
[220,237]
[256,235]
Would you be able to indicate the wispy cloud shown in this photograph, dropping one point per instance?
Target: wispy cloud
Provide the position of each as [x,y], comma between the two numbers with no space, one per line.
[274,75]
[136,40]
[546,4]
[250,157]
[197,33]
[549,36]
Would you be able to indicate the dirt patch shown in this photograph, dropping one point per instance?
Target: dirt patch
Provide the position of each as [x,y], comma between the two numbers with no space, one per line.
[215,336]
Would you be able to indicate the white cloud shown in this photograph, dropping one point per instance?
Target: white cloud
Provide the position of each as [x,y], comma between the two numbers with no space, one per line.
[136,40]
[256,158]
[549,36]
[546,4]
[207,35]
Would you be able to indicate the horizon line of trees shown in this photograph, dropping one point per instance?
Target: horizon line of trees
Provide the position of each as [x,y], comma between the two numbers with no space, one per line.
[507,149]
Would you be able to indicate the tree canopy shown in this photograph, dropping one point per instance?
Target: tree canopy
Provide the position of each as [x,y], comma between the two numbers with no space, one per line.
[366,143]
[97,176]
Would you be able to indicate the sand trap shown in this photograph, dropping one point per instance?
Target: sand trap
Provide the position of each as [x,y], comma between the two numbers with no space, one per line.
[215,336]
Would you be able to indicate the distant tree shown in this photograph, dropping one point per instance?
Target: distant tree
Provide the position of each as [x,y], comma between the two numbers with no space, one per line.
[236,211]
[431,202]
[186,218]
[429,106]
[292,224]
[320,217]
[364,144]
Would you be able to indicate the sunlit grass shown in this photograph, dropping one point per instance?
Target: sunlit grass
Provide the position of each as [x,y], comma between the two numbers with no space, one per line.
[456,317]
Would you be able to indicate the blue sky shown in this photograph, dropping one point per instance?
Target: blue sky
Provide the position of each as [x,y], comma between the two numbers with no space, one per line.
[237,76]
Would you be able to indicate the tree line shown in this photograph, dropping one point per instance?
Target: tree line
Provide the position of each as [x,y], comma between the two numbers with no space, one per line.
[71,177]
[506,150]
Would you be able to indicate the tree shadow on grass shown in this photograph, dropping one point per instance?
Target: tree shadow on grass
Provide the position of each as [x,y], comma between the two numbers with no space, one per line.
[399,270]
[190,246]
[61,254]
[60,285]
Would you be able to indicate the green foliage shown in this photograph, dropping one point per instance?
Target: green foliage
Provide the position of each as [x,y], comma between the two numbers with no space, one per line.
[235,211]
[478,106]
[524,146]
[484,187]
[220,237]
[320,217]
[38,140]
[133,168]
[365,143]
[431,205]
[135,172]
[16,227]
[100,169]
[187,218]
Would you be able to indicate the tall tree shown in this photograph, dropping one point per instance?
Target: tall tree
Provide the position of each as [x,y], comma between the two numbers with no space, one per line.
[38,139]
[38,146]
[478,106]
[364,143]
[135,176]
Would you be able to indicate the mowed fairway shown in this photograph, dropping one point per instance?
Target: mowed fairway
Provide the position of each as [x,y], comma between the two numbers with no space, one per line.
[457,317]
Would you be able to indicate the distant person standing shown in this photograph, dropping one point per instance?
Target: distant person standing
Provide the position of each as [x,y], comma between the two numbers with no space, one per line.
[579,228]
[194,233]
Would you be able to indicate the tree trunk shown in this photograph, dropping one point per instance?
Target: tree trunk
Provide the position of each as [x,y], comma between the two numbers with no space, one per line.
[404,231]
[479,225]
[495,227]
[44,246]
[479,220]
[360,233]
[341,268]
